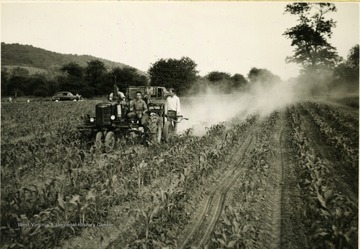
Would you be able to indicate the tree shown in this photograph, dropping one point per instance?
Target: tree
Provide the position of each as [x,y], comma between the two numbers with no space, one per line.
[353,57]
[262,75]
[17,85]
[95,73]
[126,76]
[224,82]
[309,37]
[73,81]
[73,70]
[37,85]
[18,81]
[179,74]
[4,81]
[346,74]
[53,86]
[217,76]
[239,80]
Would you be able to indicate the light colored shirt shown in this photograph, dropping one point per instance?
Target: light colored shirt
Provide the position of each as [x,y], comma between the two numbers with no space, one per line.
[120,94]
[138,106]
[173,104]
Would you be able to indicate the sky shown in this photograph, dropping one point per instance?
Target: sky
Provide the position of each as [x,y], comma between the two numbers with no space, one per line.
[229,37]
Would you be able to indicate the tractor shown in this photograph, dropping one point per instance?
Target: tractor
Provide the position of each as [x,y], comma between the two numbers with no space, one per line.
[111,121]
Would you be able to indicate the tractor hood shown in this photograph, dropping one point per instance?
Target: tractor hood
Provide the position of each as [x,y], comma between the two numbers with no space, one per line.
[105,104]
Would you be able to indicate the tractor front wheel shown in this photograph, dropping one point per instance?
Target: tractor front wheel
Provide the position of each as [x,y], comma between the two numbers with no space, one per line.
[110,140]
[98,140]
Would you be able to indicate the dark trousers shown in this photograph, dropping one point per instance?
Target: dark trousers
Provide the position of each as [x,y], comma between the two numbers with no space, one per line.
[144,118]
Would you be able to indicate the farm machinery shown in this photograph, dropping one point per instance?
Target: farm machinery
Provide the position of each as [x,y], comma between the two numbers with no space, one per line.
[111,121]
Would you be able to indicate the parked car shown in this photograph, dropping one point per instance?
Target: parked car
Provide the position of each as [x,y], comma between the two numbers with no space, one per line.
[63,96]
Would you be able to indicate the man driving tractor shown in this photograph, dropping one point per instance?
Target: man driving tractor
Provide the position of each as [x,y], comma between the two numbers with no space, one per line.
[139,110]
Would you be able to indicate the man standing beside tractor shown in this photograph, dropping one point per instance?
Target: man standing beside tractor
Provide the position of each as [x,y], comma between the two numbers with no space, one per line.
[172,108]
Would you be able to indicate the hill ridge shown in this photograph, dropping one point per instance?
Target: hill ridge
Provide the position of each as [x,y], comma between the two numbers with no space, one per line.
[19,55]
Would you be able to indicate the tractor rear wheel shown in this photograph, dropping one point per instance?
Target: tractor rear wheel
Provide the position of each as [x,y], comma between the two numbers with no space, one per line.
[158,134]
[98,140]
[110,141]
[167,130]
[154,128]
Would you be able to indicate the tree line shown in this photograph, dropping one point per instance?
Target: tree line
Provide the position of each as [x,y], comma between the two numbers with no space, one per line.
[96,80]
[181,74]
[320,63]
[93,80]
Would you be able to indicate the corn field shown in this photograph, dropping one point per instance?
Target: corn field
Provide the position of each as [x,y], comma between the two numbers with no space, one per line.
[285,180]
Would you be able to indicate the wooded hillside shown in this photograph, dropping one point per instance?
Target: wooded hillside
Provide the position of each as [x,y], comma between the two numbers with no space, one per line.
[40,60]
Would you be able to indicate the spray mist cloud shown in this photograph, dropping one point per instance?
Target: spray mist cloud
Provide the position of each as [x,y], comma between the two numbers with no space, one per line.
[205,110]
